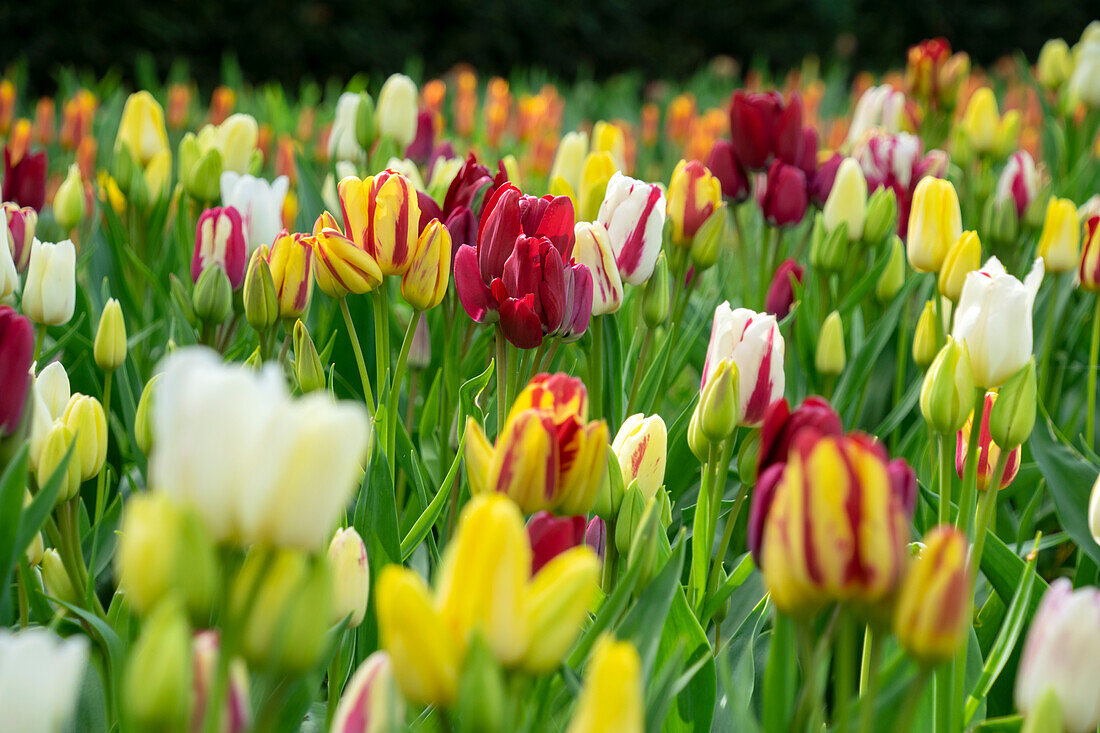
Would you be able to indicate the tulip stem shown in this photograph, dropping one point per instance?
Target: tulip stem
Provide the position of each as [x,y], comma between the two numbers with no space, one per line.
[395,389]
[727,535]
[333,683]
[970,472]
[502,379]
[380,352]
[100,486]
[911,703]
[635,380]
[595,368]
[945,465]
[868,680]
[1048,337]
[843,661]
[1091,377]
[39,339]
[368,396]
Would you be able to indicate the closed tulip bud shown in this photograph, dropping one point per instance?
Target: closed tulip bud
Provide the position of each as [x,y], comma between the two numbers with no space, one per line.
[569,159]
[261,302]
[123,169]
[481,693]
[559,597]
[16,357]
[1060,657]
[143,418]
[1013,414]
[213,295]
[68,202]
[1045,715]
[847,201]
[611,698]
[656,298]
[893,277]
[1055,64]
[786,198]
[640,447]
[21,224]
[291,266]
[693,194]
[980,120]
[52,457]
[1008,133]
[347,556]
[610,496]
[425,283]
[629,518]
[931,617]
[780,296]
[290,611]
[308,369]
[204,181]
[366,122]
[593,250]
[697,441]
[550,536]
[157,687]
[595,536]
[989,452]
[925,339]
[882,215]
[718,402]
[706,248]
[141,130]
[828,250]
[964,257]
[163,549]
[596,173]
[237,716]
[1089,273]
[85,419]
[1060,241]
[110,337]
[220,240]
[397,108]
[9,277]
[748,458]
[935,223]
[49,292]
[56,578]
[947,392]
[830,357]
[370,703]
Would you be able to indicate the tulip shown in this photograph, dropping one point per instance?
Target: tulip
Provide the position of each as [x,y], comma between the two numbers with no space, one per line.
[785,198]
[780,295]
[847,202]
[988,452]
[994,321]
[882,216]
[1089,272]
[830,357]
[611,697]
[236,138]
[596,173]
[68,202]
[87,422]
[934,224]
[964,257]
[157,682]
[859,559]
[753,122]
[110,338]
[51,394]
[308,370]
[425,282]
[946,394]
[347,556]
[634,214]
[641,449]
[212,298]
[220,239]
[593,250]
[549,455]
[396,115]
[723,163]
[895,161]
[343,141]
[237,716]
[1013,414]
[781,426]
[49,293]
[607,137]
[339,265]
[370,703]
[821,182]
[1084,82]
[381,215]
[980,120]
[932,616]
[261,302]
[558,601]
[1019,182]
[259,203]
[471,188]
[656,299]
[16,357]
[893,276]
[569,159]
[709,240]
[881,107]
[693,194]
[290,262]
[1060,656]
[926,338]
[550,536]
[21,224]
[32,656]
[753,342]
[264,477]
[141,129]
[25,178]
[1060,241]
[1055,65]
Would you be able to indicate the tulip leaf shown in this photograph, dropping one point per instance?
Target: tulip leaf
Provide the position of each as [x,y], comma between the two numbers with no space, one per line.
[427,518]
[12,484]
[643,623]
[35,513]
[697,687]
[469,392]
[780,676]
[1069,477]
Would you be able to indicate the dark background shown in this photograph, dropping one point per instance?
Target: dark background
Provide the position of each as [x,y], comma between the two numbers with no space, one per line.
[287,42]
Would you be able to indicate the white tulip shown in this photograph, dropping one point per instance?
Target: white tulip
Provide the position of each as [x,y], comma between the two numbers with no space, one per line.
[343,145]
[49,295]
[634,213]
[1094,511]
[40,677]
[994,321]
[880,107]
[409,169]
[397,109]
[753,342]
[260,204]
[9,276]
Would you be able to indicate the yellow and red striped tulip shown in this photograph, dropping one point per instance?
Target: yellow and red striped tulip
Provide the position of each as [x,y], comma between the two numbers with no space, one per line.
[1090,256]
[693,194]
[339,265]
[291,264]
[931,614]
[425,282]
[988,451]
[382,216]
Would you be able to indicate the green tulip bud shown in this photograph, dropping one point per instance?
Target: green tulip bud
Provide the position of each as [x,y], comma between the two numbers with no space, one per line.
[122,169]
[188,155]
[204,183]
[1046,716]
[999,222]
[718,402]
[1013,413]
[893,277]
[109,348]
[366,128]
[213,295]
[143,418]
[656,298]
[157,688]
[947,394]
[56,578]
[261,302]
[308,369]
[182,298]
[643,546]
[748,458]
[68,202]
[882,216]
[610,496]
[829,250]
[709,239]
[481,696]
[830,357]
[697,442]
[630,514]
[925,338]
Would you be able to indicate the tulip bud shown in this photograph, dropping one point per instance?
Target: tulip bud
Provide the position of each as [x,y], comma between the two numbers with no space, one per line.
[85,419]
[640,447]
[964,257]
[893,277]
[980,120]
[56,578]
[569,159]
[366,127]
[610,496]
[709,240]
[947,392]
[237,716]
[213,295]
[697,442]
[693,193]
[718,402]
[110,338]
[156,691]
[1000,222]
[51,459]
[780,296]
[425,282]
[612,697]
[643,545]
[49,291]
[1046,715]
[16,357]
[204,182]
[261,302]
[593,250]
[1089,273]
[347,556]
[68,202]
[481,694]
[1060,241]
[925,339]
[220,240]
[988,452]
[656,298]
[371,702]
[847,202]
[595,536]
[9,276]
[882,215]
[308,369]
[935,223]
[1013,414]
[182,298]
[829,250]
[830,357]
[397,108]
[143,418]
[122,169]
[1053,69]
[932,613]
[748,458]
[629,518]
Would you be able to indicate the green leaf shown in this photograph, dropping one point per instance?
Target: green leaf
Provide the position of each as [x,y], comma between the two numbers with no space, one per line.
[644,622]
[427,518]
[12,484]
[697,688]
[1070,477]
[469,392]
[780,676]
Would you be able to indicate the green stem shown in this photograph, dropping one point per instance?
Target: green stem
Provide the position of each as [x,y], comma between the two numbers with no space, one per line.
[368,396]
[970,472]
[945,467]
[911,703]
[635,381]
[1048,337]
[333,684]
[868,680]
[1091,377]
[502,379]
[595,368]
[395,389]
[611,558]
[699,556]
[39,339]
[845,663]
[380,353]
[727,535]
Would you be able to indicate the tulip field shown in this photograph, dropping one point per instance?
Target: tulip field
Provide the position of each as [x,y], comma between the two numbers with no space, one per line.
[752,402]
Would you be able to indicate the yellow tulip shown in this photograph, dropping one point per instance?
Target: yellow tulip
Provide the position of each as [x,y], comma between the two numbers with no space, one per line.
[611,698]
[1060,241]
[981,119]
[935,223]
[964,257]
[142,129]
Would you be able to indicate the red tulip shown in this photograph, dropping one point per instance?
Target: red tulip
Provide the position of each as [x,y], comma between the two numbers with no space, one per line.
[420,149]
[821,182]
[785,199]
[781,426]
[25,179]
[723,163]
[16,354]
[429,210]
[754,118]
[550,536]
[781,291]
